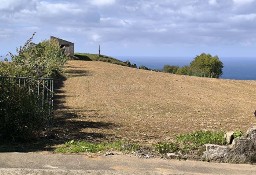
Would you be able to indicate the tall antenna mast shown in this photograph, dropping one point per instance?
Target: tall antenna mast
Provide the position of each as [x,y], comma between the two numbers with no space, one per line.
[99,50]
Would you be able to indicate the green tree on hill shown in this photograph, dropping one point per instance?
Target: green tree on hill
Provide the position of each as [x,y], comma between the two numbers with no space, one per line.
[205,65]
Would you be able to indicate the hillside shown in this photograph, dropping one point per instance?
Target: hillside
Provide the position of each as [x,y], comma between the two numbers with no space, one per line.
[105,101]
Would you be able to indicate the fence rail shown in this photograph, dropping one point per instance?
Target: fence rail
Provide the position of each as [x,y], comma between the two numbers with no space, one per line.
[43,88]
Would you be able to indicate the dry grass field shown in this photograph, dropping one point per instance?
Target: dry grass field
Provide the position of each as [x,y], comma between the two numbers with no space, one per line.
[102,101]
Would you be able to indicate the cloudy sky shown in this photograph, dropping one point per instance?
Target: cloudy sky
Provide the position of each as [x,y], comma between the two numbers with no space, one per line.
[226,28]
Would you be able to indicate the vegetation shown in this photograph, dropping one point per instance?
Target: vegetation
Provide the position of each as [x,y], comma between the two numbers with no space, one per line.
[203,65]
[144,68]
[238,134]
[83,146]
[103,58]
[170,69]
[184,143]
[35,60]
[21,114]
[189,142]
[206,65]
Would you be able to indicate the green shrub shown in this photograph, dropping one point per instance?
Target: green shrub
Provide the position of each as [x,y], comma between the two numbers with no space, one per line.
[21,115]
[238,134]
[164,148]
[184,70]
[199,138]
[143,67]
[35,60]
[191,142]
[170,69]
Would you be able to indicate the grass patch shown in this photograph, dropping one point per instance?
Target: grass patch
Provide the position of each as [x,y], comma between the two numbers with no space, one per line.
[87,147]
[189,142]
[238,134]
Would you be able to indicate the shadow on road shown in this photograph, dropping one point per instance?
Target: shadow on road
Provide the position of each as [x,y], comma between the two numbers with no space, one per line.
[68,124]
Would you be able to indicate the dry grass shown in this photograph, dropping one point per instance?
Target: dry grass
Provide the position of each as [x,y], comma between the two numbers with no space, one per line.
[126,103]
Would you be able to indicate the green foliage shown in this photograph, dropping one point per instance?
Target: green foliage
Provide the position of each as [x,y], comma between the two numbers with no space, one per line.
[39,60]
[203,65]
[164,148]
[238,134]
[184,71]
[21,118]
[103,58]
[199,138]
[170,69]
[206,65]
[189,142]
[21,114]
[144,67]
[83,146]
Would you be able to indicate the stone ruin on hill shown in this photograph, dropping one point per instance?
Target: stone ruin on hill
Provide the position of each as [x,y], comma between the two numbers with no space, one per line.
[242,150]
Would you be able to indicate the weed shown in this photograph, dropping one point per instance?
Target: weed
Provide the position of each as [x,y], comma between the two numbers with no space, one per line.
[238,134]
[83,146]
[164,148]
[189,142]
[199,138]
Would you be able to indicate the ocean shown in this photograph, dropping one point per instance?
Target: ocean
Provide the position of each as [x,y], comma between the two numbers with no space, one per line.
[234,68]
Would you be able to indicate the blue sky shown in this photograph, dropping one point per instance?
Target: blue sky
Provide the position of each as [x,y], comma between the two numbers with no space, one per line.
[226,28]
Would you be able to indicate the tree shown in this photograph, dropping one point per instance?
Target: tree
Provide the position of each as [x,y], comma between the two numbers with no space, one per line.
[185,70]
[205,65]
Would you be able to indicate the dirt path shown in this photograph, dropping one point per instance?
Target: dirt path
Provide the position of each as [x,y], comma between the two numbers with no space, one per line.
[102,101]
[45,163]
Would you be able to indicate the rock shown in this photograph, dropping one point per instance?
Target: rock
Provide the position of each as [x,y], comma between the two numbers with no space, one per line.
[251,132]
[229,136]
[215,152]
[244,149]
[172,155]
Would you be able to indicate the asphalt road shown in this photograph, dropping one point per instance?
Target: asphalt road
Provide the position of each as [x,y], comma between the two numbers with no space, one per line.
[58,164]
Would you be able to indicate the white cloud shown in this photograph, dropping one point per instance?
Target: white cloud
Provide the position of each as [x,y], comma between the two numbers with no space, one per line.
[243,2]
[133,21]
[246,17]
[16,5]
[103,2]
[213,2]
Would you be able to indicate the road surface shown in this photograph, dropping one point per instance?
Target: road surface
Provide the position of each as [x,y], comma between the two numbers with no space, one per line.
[45,163]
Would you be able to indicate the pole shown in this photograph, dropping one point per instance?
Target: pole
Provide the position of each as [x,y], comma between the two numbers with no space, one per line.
[99,50]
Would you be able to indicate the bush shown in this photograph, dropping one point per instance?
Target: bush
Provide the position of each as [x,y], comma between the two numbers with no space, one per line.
[184,71]
[144,67]
[170,69]
[21,115]
[35,60]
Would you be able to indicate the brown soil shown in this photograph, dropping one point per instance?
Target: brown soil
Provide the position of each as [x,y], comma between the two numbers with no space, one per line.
[102,101]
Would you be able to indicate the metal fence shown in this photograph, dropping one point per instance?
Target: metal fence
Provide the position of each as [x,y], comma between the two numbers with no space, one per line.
[42,88]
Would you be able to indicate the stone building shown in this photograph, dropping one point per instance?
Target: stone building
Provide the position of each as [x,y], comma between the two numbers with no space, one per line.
[67,45]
